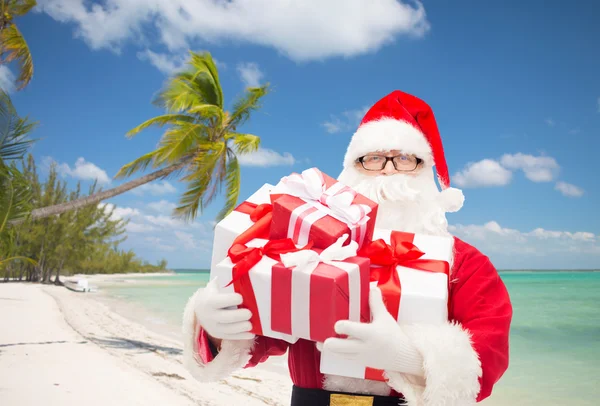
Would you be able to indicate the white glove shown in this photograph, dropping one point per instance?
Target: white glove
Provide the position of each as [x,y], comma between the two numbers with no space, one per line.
[218,314]
[380,344]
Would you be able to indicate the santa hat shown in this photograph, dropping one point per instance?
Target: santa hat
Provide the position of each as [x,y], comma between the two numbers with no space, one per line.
[406,123]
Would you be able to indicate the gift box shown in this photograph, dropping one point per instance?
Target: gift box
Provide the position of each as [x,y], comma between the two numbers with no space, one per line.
[313,206]
[296,293]
[248,271]
[412,271]
[252,216]
[316,288]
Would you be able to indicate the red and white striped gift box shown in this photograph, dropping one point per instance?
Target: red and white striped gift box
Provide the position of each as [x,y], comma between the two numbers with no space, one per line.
[422,295]
[313,206]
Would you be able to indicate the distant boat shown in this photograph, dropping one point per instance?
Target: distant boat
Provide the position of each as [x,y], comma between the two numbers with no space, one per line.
[79,285]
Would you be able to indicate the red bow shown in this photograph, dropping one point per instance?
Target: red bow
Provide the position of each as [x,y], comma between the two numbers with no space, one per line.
[261,215]
[244,259]
[401,252]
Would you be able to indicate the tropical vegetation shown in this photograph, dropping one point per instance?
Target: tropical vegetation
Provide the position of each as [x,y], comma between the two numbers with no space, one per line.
[200,146]
[13,46]
[82,241]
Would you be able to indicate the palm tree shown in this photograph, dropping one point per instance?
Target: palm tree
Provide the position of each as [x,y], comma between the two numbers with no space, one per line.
[14,187]
[13,130]
[12,44]
[200,146]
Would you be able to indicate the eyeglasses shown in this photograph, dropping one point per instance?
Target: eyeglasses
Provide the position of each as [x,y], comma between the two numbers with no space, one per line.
[402,163]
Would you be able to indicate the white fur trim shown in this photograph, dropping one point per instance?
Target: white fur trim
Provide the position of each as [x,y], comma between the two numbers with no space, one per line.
[385,135]
[234,354]
[451,199]
[451,365]
[336,383]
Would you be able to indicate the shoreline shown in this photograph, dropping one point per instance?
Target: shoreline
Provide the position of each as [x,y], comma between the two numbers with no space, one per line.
[89,344]
[107,343]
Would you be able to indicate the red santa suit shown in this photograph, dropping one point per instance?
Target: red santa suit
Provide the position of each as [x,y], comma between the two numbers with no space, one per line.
[462,359]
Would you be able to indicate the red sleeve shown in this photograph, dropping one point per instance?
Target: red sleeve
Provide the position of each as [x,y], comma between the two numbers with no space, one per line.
[264,347]
[480,303]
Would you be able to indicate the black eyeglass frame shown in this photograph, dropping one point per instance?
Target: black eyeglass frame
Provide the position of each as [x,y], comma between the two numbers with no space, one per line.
[387,159]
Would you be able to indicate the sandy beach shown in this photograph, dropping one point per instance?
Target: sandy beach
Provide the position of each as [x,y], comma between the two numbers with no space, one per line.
[59,347]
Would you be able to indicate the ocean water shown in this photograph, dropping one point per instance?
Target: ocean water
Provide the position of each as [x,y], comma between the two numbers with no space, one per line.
[555,336]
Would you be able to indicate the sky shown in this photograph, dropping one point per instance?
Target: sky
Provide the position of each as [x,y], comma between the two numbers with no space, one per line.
[514,87]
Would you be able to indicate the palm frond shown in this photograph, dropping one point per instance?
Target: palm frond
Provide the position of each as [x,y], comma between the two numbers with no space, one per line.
[20,7]
[22,258]
[206,111]
[181,140]
[141,163]
[15,197]
[206,70]
[13,47]
[178,94]
[198,84]
[13,130]
[201,186]
[232,189]
[244,106]
[243,143]
[160,121]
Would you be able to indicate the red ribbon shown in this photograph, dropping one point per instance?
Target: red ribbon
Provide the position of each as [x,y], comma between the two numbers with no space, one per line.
[244,259]
[401,252]
[261,215]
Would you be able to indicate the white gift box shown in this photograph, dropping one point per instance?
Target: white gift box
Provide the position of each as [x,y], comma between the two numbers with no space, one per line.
[228,229]
[423,299]
[260,278]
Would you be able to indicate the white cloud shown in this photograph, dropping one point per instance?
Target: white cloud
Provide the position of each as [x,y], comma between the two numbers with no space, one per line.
[186,239]
[568,189]
[302,30]
[82,170]
[492,237]
[574,131]
[483,173]
[267,157]
[158,244]
[167,221]
[250,73]
[162,206]
[132,227]
[167,64]
[118,212]
[190,242]
[7,79]
[346,121]
[155,188]
[536,168]
[550,122]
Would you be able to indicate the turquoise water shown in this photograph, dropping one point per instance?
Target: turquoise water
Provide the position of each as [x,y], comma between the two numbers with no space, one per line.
[555,337]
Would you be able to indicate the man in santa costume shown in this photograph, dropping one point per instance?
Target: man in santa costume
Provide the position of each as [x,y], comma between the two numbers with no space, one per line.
[390,159]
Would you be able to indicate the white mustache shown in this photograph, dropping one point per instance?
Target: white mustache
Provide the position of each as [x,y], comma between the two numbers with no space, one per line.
[395,188]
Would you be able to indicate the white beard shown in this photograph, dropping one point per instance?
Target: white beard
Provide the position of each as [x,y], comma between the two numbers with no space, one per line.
[407,203]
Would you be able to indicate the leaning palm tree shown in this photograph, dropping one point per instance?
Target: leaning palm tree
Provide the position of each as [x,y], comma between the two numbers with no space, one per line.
[12,44]
[200,146]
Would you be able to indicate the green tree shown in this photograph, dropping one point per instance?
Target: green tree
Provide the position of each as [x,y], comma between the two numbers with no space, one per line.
[13,46]
[15,193]
[200,146]
[85,240]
